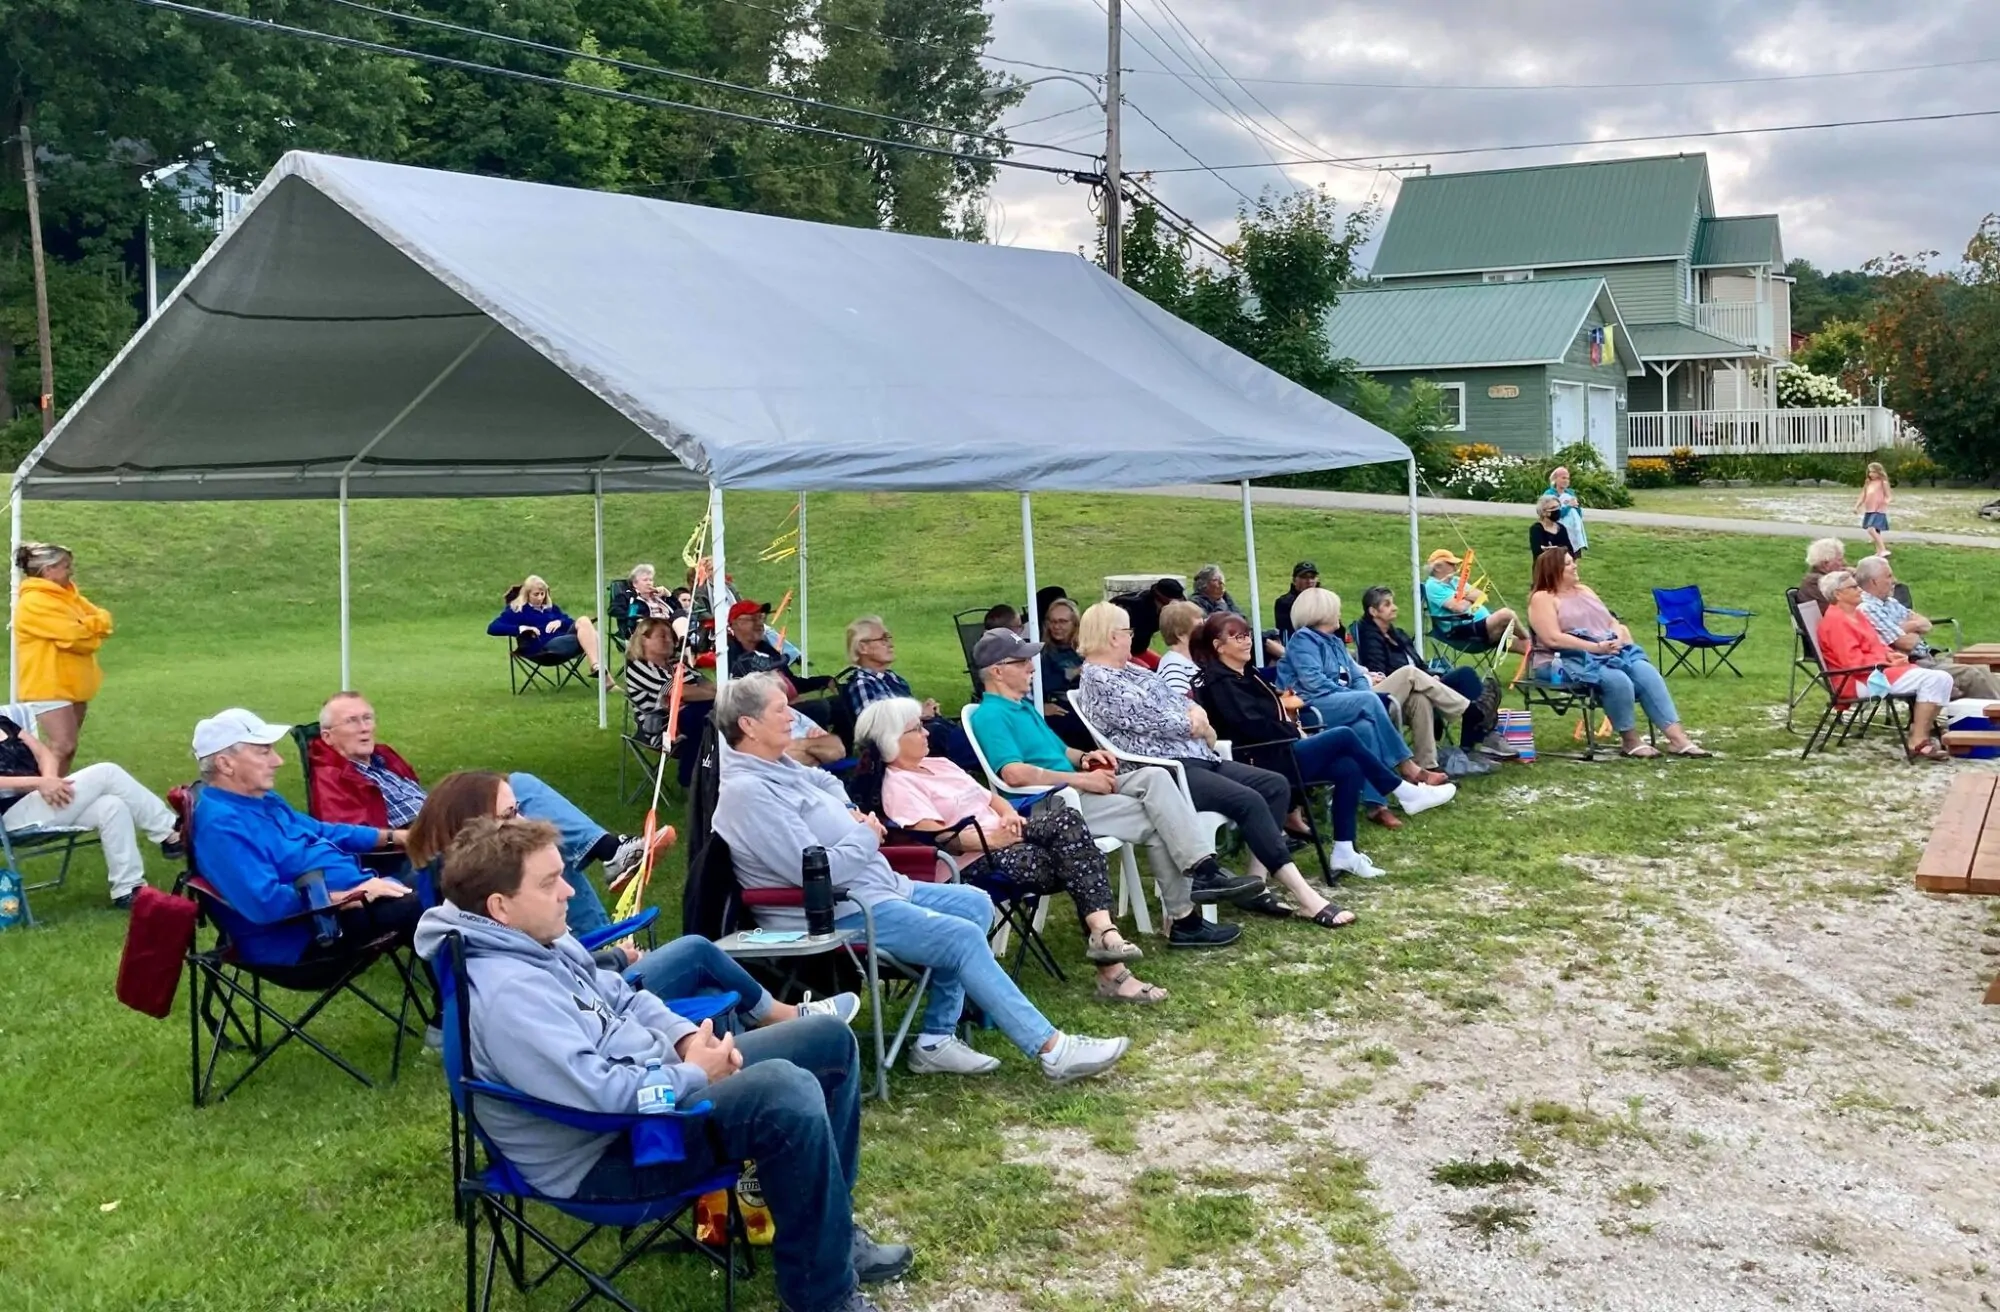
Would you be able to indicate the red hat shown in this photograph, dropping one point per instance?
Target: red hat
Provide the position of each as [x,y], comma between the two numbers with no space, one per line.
[742,608]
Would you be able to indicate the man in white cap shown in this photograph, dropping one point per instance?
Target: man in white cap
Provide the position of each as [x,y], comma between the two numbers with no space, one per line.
[253,847]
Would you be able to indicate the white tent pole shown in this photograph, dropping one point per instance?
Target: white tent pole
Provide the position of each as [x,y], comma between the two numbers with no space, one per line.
[1028,558]
[346,628]
[14,603]
[1416,569]
[1250,562]
[805,594]
[603,633]
[718,615]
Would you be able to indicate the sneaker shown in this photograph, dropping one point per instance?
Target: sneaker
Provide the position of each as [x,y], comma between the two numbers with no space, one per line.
[1418,798]
[856,1301]
[1357,865]
[124,901]
[624,863]
[1194,932]
[1489,701]
[1209,882]
[173,849]
[952,1057]
[875,1263]
[1493,744]
[843,1006]
[1076,1057]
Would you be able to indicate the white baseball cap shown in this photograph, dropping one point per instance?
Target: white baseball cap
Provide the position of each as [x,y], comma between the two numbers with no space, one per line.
[220,732]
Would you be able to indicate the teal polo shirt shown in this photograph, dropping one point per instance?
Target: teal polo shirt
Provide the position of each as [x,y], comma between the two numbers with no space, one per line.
[1010,731]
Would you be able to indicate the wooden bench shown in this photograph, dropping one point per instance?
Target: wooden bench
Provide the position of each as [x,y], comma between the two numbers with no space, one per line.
[1960,742]
[1963,854]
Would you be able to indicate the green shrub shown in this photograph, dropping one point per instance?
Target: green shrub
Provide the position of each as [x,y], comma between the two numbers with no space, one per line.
[1645,472]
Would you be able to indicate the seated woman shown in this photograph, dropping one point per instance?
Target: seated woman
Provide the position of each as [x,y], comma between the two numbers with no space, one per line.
[1340,693]
[1138,712]
[1459,694]
[1848,641]
[1571,626]
[35,793]
[1262,726]
[684,968]
[539,627]
[1178,621]
[649,675]
[1050,851]
[648,597]
[1062,666]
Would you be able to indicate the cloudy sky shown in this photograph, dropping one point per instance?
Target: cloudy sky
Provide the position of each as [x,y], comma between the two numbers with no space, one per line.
[1844,194]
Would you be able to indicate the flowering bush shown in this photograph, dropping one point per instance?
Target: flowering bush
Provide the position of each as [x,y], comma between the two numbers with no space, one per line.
[1483,478]
[1685,465]
[1800,389]
[1646,472]
[1467,452]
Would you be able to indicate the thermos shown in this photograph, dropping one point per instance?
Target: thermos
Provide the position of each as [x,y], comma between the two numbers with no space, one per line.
[816,877]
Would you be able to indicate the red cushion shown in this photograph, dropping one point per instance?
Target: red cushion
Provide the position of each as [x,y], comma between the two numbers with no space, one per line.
[156,945]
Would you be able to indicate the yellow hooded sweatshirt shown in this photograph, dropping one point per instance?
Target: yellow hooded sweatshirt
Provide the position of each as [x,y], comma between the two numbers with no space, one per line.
[57,634]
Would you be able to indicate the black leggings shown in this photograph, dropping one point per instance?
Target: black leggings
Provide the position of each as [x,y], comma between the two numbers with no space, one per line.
[1254,800]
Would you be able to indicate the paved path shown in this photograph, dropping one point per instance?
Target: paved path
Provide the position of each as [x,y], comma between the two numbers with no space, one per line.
[1315,499]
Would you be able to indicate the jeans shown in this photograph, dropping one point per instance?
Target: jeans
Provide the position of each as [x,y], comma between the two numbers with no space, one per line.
[691,966]
[794,1109]
[1339,757]
[1619,686]
[1364,714]
[1254,800]
[579,833]
[944,926]
[113,803]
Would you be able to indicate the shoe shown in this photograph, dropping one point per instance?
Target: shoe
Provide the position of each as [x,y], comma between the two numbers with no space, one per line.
[1297,842]
[433,1038]
[1383,816]
[1494,744]
[1357,865]
[624,863]
[875,1263]
[1209,882]
[1489,701]
[1418,798]
[844,1007]
[952,1057]
[124,901]
[1076,1057]
[856,1301]
[173,849]
[1265,903]
[1194,932]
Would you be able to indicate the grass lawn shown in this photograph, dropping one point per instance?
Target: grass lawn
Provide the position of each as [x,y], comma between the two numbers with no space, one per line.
[1607,1031]
[1927,509]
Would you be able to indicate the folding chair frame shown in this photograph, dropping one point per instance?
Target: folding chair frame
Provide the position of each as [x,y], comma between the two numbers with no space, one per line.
[555,673]
[1715,647]
[1572,694]
[29,843]
[1843,717]
[1448,651]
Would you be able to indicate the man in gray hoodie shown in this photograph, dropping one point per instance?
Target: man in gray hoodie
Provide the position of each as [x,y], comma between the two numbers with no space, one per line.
[559,1029]
[770,809]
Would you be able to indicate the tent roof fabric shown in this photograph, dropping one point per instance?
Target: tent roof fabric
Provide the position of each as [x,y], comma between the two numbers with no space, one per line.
[1736,240]
[1556,214]
[1464,323]
[439,334]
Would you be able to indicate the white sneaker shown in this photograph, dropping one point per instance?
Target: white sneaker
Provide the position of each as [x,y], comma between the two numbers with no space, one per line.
[952,1057]
[1076,1057]
[624,864]
[1417,798]
[844,1006]
[1357,865]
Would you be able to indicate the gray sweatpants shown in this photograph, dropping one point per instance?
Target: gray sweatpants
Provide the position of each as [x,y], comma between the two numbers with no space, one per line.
[1150,809]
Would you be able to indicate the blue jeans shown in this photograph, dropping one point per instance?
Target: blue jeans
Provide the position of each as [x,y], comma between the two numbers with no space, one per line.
[1636,680]
[691,966]
[1340,757]
[794,1109]
[579,833]
[944,926]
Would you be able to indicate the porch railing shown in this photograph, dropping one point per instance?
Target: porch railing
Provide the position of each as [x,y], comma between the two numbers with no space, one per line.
[1833,430]
[1747,323]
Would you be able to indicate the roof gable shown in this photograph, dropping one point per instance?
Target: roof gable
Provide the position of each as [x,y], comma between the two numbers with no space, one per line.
[1594,212]
[1739,239]
[1475,324]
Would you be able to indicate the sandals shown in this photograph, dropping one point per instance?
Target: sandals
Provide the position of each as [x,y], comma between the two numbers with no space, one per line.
[1266,903]
[1693,751]
[1332,917]
[1106,954]
[1642,752]
[1928,750]
[1146,995]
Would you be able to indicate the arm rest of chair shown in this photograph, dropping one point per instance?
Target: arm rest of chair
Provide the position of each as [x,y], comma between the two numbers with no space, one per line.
[625,928]
[207,892]
[1727,610]
[709,1006]
[776,897]
[656,1138]
[1026,802]
[921,864]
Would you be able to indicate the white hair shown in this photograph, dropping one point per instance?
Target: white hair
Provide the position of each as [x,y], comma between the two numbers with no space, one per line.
[746,697]
[640,571]
[1205,574]
[1824,552]
[883,724]
[1831,585]
[1870,568]
[1314,607]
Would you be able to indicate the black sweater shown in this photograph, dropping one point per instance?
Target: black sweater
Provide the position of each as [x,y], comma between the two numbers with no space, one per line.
[1244,709]
[1382,652]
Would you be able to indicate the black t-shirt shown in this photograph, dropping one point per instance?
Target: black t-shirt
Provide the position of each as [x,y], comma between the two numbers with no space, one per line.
[1540,539]
[17,761]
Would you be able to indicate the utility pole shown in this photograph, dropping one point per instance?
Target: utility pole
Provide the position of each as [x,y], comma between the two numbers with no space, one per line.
[1114,207]
[48,393]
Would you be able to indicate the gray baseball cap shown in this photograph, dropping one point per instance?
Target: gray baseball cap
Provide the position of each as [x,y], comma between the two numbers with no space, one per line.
[997,645]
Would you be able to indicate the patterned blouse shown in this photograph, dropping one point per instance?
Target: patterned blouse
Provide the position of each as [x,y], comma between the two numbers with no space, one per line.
[1141,712]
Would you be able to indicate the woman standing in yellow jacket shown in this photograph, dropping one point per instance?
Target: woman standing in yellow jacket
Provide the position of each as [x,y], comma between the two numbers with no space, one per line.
[56,637]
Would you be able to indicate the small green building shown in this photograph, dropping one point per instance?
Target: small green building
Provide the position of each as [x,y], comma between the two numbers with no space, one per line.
[1528,366]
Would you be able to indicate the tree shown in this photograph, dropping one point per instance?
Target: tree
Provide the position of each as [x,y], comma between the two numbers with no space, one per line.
[1840,351]
[1936,334]
[1819,297]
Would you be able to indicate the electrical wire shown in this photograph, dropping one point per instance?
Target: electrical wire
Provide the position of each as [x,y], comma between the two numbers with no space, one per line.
[610,93]
[1592,86]
[910,41]
[1061,113]
[1136,109]
[1601,141]
[1200,89]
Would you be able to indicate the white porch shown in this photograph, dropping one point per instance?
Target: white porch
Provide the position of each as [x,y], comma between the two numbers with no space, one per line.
[1841,430]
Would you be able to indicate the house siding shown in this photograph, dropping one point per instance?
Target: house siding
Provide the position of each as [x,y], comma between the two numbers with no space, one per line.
[1518,425]
[1646,293]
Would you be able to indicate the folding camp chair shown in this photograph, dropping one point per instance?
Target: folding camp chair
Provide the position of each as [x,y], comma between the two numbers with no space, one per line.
[494,1195]
[1681,627]
[555,673]
[41,840]
[1457,641]
[1803,647]
[1560,698]
[226,1005]
[624,609]
[636,751]
[971,626]
[1845,715]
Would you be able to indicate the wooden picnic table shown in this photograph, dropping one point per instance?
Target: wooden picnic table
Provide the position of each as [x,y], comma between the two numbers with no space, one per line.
[1963,854]
[1979,653]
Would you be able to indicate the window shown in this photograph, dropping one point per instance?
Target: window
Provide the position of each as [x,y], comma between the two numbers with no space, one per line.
[1508,275]
[1453,396]
[1687,284]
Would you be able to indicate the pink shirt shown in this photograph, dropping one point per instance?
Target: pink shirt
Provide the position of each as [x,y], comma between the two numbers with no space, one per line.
[937,792]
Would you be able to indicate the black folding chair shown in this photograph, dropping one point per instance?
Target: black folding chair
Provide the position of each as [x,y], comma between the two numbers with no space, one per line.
[1560,698]
[1901,592]
[971,626]
[1680,627]
[555,673]
[1845,715]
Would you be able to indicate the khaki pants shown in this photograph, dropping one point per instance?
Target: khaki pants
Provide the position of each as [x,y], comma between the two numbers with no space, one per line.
[1423,698]
[1968,680]
[1150,809]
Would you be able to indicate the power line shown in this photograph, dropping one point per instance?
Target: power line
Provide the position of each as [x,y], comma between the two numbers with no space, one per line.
[1602,141]
[1136,109]
[1587,86]
[912,41]
[1179,222]
[1061,113]
[1228,111]
[609,93]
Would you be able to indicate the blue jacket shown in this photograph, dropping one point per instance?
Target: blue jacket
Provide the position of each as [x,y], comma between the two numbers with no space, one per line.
[252,849]
[511,622]
[1319,668]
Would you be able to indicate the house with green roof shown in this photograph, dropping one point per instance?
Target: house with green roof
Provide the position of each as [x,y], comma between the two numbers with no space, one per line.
[1688,326]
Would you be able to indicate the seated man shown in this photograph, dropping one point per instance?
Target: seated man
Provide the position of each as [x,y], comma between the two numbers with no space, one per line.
[253,847]
[355,779]
[560,1029]
[1144,806]
[754,649]
[770,809]
[1461,618]
[1305,575]
[1902,629]
[1004,616]
[871,650]
[1384,649]
[35,793]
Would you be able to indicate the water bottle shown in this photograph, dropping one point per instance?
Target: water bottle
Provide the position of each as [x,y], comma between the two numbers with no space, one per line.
[656,1091]
[1556,670]
[816,877]
[13,902]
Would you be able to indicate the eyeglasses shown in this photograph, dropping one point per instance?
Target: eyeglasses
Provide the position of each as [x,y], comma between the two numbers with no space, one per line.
[356,722]
[1237,635]
[511,813]
[880,637]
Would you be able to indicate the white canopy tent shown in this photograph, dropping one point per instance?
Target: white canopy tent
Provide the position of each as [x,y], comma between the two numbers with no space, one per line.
[373,330]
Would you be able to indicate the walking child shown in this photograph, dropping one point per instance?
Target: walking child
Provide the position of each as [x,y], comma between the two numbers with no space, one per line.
[1873,503]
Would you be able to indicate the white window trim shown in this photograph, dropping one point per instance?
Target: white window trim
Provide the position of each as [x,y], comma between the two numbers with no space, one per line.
[1500,276]
[1459,388]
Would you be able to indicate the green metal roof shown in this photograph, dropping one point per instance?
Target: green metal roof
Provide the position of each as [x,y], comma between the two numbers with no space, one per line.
[1739,239]
[1676,341]
[1460,325]
[1603,210]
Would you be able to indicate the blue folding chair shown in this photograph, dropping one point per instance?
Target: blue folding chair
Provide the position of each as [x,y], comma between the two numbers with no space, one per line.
[492,1194]
[1681,628]
[40,840]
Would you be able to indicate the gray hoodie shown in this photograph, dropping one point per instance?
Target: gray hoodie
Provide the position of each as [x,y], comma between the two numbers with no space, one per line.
[546,1020]
[770,812]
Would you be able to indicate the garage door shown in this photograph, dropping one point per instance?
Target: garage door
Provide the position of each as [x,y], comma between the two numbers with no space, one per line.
[1567,421]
